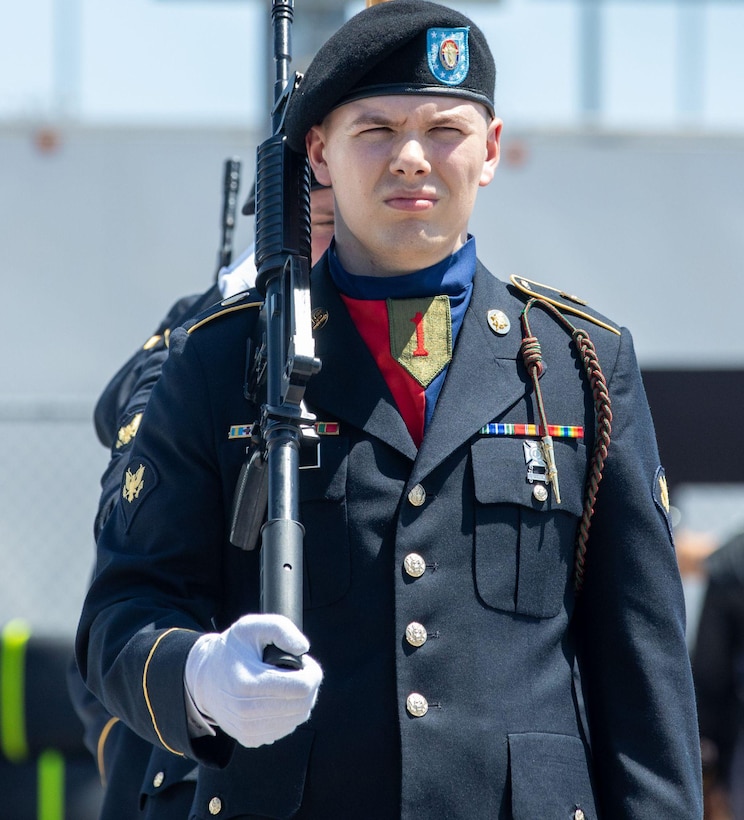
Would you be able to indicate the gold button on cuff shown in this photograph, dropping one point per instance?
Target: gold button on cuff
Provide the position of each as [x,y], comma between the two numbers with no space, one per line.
[540,492]
[157,781]
[416,634]
[215,805]
[414,565]
[417,496]
[417,705]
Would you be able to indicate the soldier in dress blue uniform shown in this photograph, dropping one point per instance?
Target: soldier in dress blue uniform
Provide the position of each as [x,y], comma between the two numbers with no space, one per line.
[494,621]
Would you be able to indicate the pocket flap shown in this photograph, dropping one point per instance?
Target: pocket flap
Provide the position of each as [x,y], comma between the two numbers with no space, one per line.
[265,782]
[500,473]
[164,771]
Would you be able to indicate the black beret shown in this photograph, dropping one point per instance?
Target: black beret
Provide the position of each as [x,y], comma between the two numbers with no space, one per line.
[400,47]
[249,208]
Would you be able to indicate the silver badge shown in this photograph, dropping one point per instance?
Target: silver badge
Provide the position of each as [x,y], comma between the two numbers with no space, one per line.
[537,469]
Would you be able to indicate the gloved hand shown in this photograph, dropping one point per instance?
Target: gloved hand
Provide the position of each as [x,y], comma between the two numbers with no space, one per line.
[233,688]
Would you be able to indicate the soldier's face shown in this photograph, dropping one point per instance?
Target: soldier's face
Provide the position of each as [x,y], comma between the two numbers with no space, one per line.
[405,172]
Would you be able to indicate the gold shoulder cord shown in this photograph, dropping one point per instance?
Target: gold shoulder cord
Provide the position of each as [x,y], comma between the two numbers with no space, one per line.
[524,285]
[532,356]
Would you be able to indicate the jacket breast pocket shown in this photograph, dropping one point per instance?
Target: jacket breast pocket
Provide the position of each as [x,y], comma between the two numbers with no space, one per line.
[323,515]
[524,546]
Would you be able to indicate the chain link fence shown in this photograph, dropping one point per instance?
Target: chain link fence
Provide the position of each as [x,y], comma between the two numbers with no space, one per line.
[51,465]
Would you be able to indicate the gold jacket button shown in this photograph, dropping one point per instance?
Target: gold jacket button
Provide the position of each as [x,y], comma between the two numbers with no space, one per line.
[215,805]
[414,565]
[157,781]
[417,496]
[416,634]
[417,705]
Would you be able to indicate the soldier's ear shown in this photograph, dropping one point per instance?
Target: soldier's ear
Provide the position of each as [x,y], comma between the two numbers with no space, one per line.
[493,152]
[315,146]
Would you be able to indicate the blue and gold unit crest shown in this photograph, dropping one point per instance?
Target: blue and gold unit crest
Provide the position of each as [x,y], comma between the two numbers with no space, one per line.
[447,52]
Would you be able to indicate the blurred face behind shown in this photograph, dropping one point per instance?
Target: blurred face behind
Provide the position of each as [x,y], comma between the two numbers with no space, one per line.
[405,172]
[321,221]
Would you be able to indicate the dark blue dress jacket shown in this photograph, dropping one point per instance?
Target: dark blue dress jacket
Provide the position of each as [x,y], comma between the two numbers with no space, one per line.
[541,704]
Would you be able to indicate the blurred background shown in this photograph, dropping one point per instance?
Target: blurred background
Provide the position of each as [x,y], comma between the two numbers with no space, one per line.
[621,181]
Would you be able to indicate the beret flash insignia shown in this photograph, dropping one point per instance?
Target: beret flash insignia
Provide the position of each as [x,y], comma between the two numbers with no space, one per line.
[447,51]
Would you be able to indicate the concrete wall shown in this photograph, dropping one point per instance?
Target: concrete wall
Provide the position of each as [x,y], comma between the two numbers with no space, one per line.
[102,231]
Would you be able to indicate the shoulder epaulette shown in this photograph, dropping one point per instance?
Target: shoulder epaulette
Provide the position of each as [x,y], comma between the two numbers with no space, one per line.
[156,340]
[241,301]
[565,302]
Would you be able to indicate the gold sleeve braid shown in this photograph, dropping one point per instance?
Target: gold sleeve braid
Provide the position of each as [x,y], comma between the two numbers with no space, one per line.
[101,746]
[146,694]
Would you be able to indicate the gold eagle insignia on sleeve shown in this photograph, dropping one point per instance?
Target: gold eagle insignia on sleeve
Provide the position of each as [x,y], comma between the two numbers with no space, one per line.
[133,483]
[128,431]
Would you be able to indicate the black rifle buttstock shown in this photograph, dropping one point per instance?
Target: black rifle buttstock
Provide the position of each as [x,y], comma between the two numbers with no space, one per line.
[276,657]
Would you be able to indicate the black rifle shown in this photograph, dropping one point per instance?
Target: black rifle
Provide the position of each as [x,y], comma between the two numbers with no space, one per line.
[287,355]
[229,207]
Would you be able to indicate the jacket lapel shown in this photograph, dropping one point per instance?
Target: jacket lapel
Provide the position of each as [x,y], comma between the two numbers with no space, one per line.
[349,385]
[484,378]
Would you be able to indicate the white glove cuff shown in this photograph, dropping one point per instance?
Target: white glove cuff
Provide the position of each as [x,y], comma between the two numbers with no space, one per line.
[197,722]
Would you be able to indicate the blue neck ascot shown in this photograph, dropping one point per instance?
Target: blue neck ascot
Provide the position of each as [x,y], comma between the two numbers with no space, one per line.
[452,276]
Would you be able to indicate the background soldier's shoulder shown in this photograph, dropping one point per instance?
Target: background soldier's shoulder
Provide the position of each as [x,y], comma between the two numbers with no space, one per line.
[249,300]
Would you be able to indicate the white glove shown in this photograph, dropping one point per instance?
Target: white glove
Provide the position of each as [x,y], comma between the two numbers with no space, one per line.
[233,688]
